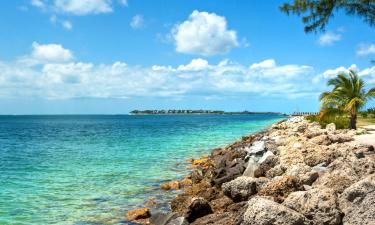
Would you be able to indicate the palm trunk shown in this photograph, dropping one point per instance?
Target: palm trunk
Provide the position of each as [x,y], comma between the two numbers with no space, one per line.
[353,121]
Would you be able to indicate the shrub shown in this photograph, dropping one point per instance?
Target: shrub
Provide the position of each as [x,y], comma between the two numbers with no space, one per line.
[341,122]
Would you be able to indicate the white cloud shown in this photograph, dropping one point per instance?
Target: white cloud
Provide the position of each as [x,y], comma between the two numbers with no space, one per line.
[59,77]
[195,65]
[137,22]
[83,7]
[268,63]
[67,25]
[329,38]
[38,3]
[365,50]
[368,74]
[331,73]
[204,34]
[42,53]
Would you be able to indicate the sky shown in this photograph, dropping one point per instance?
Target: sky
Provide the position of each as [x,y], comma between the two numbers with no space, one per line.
[114,56]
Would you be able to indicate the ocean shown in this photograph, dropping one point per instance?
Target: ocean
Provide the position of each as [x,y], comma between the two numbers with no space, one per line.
[91,169]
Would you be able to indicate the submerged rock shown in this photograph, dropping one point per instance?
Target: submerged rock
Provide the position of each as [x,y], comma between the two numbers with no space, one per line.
[174,185]
[136,214]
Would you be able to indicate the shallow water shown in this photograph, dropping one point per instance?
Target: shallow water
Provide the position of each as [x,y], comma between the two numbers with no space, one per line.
[91,169]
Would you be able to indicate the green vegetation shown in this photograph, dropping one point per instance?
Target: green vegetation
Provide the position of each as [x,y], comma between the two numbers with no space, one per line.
[341,122]
[316,13]
[345,100]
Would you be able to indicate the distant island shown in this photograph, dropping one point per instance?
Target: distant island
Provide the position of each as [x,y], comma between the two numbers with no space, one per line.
[195,112]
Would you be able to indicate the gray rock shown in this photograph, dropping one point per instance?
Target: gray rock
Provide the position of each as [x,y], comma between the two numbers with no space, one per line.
[240,189]
[340,138]
[178,221]
[162,218]
[252,166]
[257,147]
[320,168]
[262,211]
[331,127]
[357,202]
[278,170]
[267,162]
[318,205]
[265,156]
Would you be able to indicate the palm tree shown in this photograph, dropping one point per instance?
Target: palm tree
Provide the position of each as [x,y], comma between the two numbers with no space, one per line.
[348,96]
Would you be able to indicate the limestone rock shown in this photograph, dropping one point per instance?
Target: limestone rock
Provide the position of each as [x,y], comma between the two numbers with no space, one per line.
[243,187]
[265,163]
[318,205]
[331,127]
[280,189]
[240,189]
[358,202]
[262,211]
[278,170]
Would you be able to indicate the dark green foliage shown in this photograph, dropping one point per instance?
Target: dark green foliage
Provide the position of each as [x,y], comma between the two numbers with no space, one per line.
[341,122]
[316,13]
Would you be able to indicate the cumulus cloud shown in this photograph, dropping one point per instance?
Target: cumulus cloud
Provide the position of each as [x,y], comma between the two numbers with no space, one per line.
[137,22]
[365,50]
[339,70]
[195,65]
[60,77]
[83,7]
[46,53]
[268,63]
[204,34]
[329,38]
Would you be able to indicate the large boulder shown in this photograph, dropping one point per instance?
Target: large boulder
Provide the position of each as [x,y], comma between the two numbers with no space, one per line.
[265,163]
[357,202]
[243,187]
[318,205]
[281,188]
[257,147]
[262,211]
[198,207]
[240,189]
[340,174]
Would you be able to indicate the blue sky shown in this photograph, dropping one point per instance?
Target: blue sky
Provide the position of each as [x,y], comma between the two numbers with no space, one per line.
[112,56]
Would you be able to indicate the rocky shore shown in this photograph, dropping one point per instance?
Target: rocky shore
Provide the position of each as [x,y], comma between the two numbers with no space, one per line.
[293,173]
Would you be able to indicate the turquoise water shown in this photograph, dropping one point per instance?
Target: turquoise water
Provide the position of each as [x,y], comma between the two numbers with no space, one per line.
[91,169]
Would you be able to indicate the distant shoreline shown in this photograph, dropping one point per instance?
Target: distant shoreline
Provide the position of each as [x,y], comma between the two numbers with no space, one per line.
[198,112]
